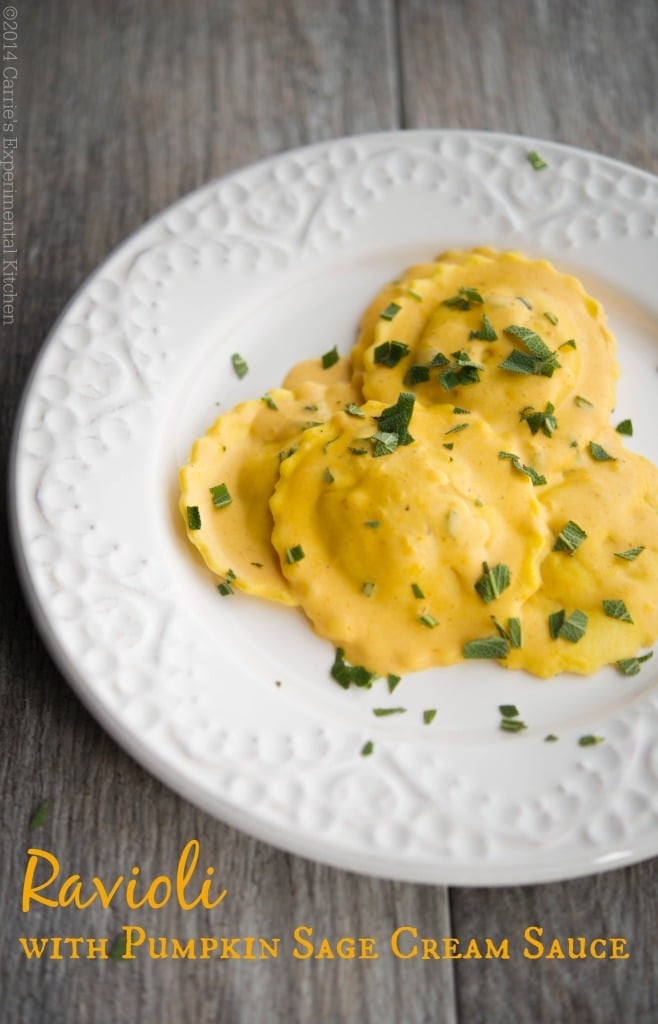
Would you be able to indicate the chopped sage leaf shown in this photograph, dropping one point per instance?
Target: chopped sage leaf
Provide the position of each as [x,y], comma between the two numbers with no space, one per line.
[486,331]
[418,374]
[428,620]
[493,581]
[294,554]
[429,715]
[551,317]
[460,372]
[193,517]
[357,451]
[625,427]
[464,299]
[631,554]
[220,496]
[367,748]
[40,815]
[383,712]
[541,360]
[287,453]
[239,365]
[269,401]
[617,610]
[330,358]
[383,443]
[572,628]
[396,418]
[487,647]
[328,476]
[631,666]
[513,634]
[368,589]
[551,738]
[353,410]
[536,162]
[391,311]
[600,454]
[372,523]
[389,353]
[449,445]
[525,302]
[536,420]
[508,710]
[458,411]
[512,725]
[414,295]
[392,681]
[570,537]
[590,741]
[350,675]
[417,591]
[583,402]
[457,429]
[537,478]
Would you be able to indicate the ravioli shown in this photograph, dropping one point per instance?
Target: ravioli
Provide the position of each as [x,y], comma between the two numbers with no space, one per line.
[507,337]
[394,545]
[243,450]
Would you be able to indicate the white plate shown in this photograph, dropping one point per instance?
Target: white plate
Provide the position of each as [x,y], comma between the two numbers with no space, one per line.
[276,262]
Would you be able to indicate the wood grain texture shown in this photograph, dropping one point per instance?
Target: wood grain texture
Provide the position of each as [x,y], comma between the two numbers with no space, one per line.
[124,107]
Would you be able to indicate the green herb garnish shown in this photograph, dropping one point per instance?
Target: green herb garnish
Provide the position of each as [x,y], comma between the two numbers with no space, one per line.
[512,725]
[367,748]
[417,591]
[418,374]
[600,454]
[392,681]
[465,298]
[118,950]
[487,647]
[239,365]
[583,402]
[537,478]
[287,453]
[429,715]
[357,451]
[225,586]
[193,517]
[536,162]
[328,476]
[508,710]
[631,554]
[513,634]
[493,581]
[536,420]
[391,311]
[486,331]
[570,537]
[40,815]
[539,359]
[617,610]
[590,741]
[625,427]
[457,429]
[414,295]
[551,738]
[383,443]
[389,353]
[368,589]
[551,317]
[350,675]
[294,554]
[330,358]
[353,410]
[269,401]
[572,628]
[383,712]
[396,418]
[631,666]
[220,496]
[372,523]
[428,620]
[460,372]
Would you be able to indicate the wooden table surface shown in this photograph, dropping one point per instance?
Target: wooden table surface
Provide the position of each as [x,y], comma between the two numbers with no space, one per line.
[123,106]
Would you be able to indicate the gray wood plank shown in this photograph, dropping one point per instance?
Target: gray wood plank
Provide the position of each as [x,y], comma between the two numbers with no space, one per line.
[583,74]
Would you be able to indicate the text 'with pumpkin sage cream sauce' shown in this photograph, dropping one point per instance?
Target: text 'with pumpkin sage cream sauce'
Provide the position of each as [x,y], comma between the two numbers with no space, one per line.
[452,490]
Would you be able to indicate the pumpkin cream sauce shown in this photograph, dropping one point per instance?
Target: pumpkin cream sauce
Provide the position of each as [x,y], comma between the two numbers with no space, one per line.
[453,490]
